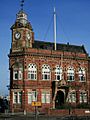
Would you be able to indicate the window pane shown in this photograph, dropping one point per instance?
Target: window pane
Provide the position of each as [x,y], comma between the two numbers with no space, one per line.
[20,75]
[70,74]
[83,97]
[43,98]
[15,75]
[32,77]
[47,98]
[58,77]
[58,72]
[32,96]
[32,72]
[45,72]
[72,97]
[19,97]
[29,97]
[46,77]
[15,100]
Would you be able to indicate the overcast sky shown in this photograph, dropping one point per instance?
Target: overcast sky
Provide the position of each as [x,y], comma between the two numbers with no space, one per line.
[73,26]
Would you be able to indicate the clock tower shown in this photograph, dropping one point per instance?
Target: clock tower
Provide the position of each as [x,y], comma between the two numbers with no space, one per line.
[22,40]
[22,32]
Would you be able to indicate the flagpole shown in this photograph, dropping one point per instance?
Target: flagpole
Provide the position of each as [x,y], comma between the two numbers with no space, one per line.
[55,47]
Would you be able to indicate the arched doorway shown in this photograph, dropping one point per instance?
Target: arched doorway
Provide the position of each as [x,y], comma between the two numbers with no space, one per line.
[59,101]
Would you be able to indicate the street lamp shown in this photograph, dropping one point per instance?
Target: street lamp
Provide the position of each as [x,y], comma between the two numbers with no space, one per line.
[35,105]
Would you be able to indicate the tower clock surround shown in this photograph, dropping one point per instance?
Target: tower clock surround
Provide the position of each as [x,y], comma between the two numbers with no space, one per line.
[17,35]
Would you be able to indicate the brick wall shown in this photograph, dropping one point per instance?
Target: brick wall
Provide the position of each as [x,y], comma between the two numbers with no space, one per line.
[52,58]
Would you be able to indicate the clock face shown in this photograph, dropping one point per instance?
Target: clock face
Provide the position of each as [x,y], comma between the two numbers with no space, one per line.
[28,36]
[17,35]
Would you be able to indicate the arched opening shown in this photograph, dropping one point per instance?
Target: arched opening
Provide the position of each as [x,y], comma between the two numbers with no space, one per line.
[59,101]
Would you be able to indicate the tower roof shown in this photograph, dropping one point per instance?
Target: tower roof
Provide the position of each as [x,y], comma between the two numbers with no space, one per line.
[22,19]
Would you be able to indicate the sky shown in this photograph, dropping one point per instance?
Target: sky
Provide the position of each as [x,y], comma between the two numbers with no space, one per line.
[73,26]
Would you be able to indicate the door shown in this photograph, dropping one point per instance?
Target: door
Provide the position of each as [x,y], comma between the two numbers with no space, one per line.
[59,101]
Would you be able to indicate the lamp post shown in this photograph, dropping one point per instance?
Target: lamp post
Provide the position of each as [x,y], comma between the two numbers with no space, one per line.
[35,105]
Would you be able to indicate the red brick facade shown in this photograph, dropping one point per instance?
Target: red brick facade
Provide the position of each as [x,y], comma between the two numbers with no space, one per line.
[51,93]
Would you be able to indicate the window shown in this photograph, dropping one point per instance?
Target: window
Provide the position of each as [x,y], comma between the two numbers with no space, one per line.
[15,75]
[17,97]
[46,72]
[32,96]
[20,74]
[17,72]
[70,74]
[32,72]
[83,97]
[81,74]
[45,97]
[72,97]
[58,73]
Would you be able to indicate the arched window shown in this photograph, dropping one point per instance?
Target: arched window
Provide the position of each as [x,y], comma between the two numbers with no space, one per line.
[83,97]
[81,74]
[58,73]
[32,72]
[46,72]
[17,71]
[70,74]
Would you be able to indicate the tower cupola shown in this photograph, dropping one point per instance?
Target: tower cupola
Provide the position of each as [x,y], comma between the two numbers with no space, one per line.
[22,19]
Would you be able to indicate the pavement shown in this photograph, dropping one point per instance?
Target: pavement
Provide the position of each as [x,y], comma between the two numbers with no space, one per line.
[42,117]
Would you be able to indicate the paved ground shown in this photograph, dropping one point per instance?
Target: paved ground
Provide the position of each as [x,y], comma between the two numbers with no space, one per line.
[30,117]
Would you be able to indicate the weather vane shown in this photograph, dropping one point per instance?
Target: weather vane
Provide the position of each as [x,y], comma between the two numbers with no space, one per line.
[22,4]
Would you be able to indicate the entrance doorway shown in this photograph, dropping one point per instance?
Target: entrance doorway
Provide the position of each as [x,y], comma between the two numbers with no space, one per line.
[59,101]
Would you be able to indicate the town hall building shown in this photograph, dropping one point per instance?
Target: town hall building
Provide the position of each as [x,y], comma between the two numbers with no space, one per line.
[39,74]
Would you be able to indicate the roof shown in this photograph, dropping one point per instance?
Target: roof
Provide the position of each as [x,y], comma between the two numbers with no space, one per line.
[60,47]
[21,21]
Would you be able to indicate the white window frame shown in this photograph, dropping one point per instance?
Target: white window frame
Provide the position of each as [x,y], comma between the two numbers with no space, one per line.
[45,97]
[18,71]
[83,97]
[15,73]
[17,97]
[46,72]
[20,75]
[32,72]
[72,97]
[70,74]
[82,75]
[58,73]
[32,96]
